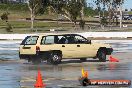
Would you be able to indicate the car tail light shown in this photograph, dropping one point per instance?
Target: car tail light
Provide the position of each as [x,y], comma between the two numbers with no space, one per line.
[37,48]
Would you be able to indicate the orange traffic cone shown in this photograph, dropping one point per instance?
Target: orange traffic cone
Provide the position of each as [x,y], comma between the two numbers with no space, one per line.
[39,82]
[112,59]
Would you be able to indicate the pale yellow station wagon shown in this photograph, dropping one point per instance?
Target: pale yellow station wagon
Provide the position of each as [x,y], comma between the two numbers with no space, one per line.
[55,47]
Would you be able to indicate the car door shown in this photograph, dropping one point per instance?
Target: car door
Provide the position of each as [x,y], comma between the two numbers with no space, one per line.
[57,42]
[48,43]
[68,49]
[28,45]
[84,47]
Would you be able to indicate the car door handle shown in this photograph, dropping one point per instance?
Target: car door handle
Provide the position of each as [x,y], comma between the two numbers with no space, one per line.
[78,45]
[63,45]
[26,47]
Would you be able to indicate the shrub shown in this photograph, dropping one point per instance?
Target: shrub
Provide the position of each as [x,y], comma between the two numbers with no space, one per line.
[9,28]
[104,21]
[4,16]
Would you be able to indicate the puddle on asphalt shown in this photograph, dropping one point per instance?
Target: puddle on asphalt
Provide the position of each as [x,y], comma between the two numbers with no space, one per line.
[65,75]
[68,75]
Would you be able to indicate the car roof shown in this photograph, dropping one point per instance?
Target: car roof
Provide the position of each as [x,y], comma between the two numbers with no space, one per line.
[46,34]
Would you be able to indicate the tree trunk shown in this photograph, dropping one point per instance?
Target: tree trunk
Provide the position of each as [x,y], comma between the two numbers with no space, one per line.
[49,10]
[32,20]
[109,10]
[120,16]
[116,21]
[75,25]
[113,20]
[116,16]
[102,26]
[32,16]
[82,13]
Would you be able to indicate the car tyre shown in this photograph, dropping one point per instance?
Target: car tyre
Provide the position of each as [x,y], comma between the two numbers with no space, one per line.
[102,55]
[55,58]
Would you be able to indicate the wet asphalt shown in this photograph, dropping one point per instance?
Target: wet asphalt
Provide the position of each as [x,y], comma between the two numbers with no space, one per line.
[15,73]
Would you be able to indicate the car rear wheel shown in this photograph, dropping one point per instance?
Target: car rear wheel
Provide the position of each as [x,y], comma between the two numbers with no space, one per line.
[55,58]
[102,55]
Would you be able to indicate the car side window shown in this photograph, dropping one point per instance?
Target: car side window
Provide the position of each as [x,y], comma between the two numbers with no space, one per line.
[71,39]
[62,40]
[80,40]
[48,40]
[32,40]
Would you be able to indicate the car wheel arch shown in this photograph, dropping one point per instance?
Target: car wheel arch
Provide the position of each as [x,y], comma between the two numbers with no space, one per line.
[101,49]
[56,51]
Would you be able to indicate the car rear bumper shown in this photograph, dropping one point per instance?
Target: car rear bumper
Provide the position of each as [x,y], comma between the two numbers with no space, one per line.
[109,51]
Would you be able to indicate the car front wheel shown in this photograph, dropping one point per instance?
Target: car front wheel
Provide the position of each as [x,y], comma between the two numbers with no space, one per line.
[102,56]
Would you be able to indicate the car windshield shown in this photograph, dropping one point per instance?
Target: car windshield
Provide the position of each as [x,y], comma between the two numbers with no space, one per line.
[30,40]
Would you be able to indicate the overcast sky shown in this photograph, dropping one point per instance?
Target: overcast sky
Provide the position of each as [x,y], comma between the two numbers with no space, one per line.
[126,5]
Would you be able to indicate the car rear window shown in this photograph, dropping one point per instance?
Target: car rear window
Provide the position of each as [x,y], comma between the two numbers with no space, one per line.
[30,40]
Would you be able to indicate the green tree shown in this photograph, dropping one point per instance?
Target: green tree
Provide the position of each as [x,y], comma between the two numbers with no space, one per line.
[98,2]
[88,11]
[70,9]
[73,10]
[35,7]
[83,5]
[112,6]
[4,1]
[4,17]
[116,4]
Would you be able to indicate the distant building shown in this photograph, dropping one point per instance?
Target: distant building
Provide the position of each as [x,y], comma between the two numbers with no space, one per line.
[21,1]
[13,1]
